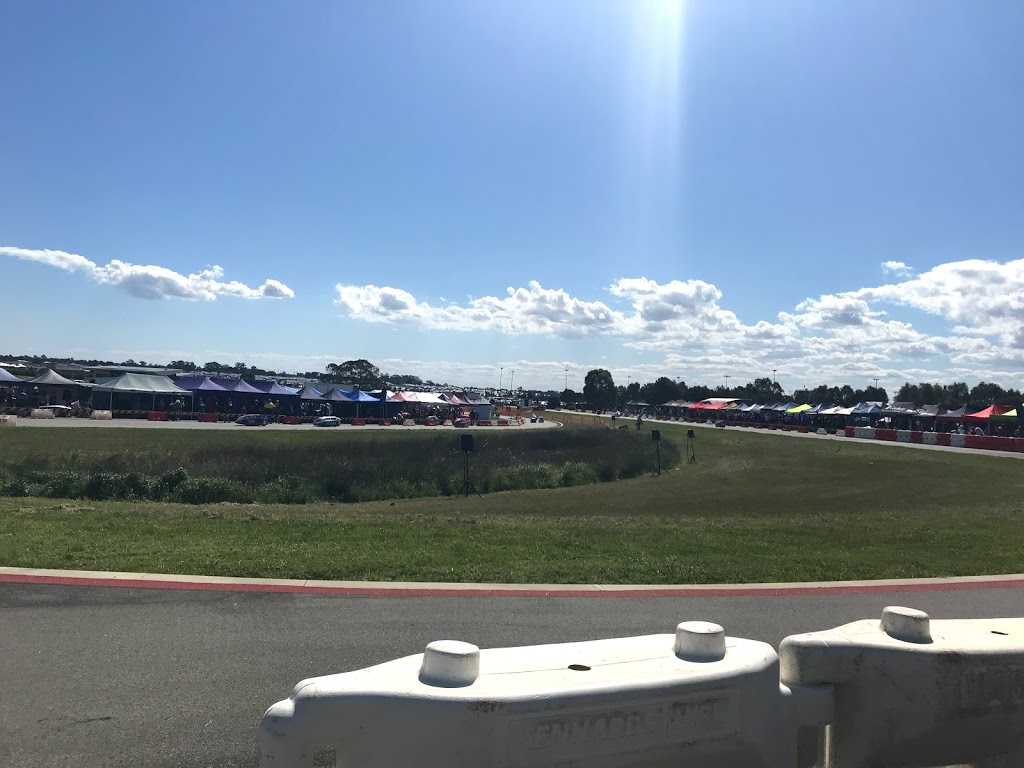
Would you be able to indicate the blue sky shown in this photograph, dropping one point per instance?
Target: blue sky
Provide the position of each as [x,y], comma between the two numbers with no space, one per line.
[659,188]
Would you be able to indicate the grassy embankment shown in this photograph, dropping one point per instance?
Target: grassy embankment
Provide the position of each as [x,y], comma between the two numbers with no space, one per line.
[754,507]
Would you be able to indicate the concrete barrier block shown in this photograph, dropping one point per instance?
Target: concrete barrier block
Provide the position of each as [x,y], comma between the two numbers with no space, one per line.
[913,692]
[42,413]
[101,415]
[903,436]
[958,441]
[693,698]
[8,421]
[866,433]
[930,438]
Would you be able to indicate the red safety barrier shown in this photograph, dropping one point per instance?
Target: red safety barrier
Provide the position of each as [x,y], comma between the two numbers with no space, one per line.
[206,417]
[885,434]
[942,438]
[157,416]
[501,423]
[1018,444]
[430,422]
[289,419]
[802,429]
[385,422]
[484,423]
[358,422]
[848,431]
[917,437]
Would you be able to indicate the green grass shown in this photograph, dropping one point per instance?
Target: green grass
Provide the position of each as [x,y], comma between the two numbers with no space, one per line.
[754,507]
[290,467]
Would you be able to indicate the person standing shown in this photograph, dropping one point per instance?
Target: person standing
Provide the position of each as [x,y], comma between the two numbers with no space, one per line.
[639,422]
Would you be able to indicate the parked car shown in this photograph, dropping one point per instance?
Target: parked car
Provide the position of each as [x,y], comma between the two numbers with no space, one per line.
[253,420]
[327,421]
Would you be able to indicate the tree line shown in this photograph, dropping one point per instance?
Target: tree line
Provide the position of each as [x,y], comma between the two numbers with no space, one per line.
[600,391]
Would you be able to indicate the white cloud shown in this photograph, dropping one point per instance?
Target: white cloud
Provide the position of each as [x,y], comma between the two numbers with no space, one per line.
[533,309]
[834,335]
[150,281]
[897,268]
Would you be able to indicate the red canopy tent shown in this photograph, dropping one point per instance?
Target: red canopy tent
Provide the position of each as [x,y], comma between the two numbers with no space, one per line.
[987,413]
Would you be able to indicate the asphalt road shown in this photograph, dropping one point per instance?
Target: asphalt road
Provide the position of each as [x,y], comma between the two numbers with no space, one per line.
[103,677]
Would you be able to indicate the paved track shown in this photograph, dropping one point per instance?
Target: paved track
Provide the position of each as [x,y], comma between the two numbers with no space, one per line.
[147,678]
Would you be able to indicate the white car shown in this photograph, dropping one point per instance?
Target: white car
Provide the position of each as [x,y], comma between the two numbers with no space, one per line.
[327,421]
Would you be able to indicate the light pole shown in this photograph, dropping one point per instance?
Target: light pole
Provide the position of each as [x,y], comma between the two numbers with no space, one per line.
[501,374]
[511,379]
[876,382]
[726,383]
[566,379]
[773,375]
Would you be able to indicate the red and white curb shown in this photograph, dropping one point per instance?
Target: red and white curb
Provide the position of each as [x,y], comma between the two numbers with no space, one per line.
[424,589]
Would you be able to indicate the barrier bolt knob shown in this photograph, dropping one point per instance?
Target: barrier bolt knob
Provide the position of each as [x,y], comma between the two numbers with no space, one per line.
[450,664]
[906,624]
[700,641]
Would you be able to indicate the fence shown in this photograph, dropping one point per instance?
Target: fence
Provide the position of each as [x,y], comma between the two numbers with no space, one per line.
[903,691]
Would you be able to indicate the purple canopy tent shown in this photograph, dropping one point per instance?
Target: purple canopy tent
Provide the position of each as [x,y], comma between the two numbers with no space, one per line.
[274,388]
[7,377]
[200,383]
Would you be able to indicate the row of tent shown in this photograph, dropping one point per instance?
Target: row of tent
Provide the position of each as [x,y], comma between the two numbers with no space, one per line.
[148,384]
[901,410]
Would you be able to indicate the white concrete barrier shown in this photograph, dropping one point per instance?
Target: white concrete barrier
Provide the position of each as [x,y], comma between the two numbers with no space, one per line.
[868,433]
[930,438]
[903,436]
[101,415]
[958,441]
[8,421]
[693,698]
[912,692]
[42,413]
[822,431]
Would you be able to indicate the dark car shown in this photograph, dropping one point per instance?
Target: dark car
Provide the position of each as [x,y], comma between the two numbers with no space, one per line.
[253,420]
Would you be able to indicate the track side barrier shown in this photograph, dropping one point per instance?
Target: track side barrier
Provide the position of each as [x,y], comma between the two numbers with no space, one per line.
[693,698]
[903,436]
[42,413]
[850,431]
[944,438]
[101,415]
[958,441]
[913,693]
[930,438]
[885,434]
[8,421]
[915,436]
[867,433]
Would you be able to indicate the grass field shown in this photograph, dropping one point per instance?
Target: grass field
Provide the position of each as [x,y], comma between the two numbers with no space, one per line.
[754,507]
[291,467]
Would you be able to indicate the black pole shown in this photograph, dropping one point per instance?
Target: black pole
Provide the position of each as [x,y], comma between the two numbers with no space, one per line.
[659,459]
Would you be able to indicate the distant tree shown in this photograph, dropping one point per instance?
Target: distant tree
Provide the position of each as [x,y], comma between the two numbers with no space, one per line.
[762,390]
[570,396]
[698,392]
[660,391]
[398,378]
[182,365]
[876,395]
[599,389]
[361,373]
[985,393]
